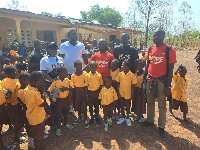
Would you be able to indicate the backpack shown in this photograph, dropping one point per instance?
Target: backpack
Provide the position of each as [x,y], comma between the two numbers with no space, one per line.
[166,52]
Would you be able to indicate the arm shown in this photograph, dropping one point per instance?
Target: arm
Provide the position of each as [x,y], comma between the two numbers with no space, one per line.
[118,93]
[61,55]
[132,91]
[46,108]
[135,66]
[169,79]
[146,71]
[85,59]
[46,75]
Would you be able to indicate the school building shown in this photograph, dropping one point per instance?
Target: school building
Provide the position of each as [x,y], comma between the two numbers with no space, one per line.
[25,27]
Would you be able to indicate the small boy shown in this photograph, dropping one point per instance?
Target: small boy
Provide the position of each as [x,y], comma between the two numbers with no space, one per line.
[179,90]
[94,83]
[80,93]
[6,63]
[108,96]
[64,85]
[126,81]
[14,108]
[36,107]
[144,59]
[4,118]
[113,73]
[24,82]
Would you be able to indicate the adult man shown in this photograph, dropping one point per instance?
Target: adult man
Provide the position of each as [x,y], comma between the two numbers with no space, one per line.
[160,73]
[71,51]
[35,57]
[126,52]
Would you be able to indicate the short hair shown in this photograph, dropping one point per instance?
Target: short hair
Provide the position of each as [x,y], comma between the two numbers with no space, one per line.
[35,75]
[61,68]
[93,63]
[21,66]
[52,46]
[126,63]
[77,62]
[102,39]
[9,70]
[143,53]
[183,68]
[115,60]
[68,34]
[7,60]
[140,62]
[64,40]
[36,41]
[24,75]
[108,78]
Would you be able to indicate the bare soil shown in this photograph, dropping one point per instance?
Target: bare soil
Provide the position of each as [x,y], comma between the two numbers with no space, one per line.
[181,134]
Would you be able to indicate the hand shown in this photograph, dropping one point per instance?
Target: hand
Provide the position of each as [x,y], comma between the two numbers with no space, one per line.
[167,91]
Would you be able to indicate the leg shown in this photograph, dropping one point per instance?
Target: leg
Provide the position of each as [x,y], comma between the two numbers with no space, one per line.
[105,114]
[1,141]
[91,112]
[122,107]
[161,104]
[66,110]
[59,111]
[150,105]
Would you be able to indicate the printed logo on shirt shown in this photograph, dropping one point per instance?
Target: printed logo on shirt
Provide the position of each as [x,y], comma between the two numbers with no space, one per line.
[102,63]
[125,57]
[156,60]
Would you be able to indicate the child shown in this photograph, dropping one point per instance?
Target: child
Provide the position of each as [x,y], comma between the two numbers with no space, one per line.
[4,118]
[179,90]
[24,82]
[63,85]
[143,59]
[6,63]
[94,82]
[36,107]
[80,92]
[113,73]
[107,96]
[14,109]
[138,104]
[21,67]
[126,81]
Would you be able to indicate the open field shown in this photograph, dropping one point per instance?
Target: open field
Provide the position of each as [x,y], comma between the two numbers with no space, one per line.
[181,135]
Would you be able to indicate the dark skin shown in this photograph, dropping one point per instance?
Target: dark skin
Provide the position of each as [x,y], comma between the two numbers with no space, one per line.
[114,65]
[125,41]
[73,37]
[158,38]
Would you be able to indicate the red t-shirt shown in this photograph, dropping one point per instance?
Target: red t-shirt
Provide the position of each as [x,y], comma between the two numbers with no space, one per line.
[103,62]
[158,61]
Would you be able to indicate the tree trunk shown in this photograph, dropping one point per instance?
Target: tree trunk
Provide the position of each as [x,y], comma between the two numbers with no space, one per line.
[147,27]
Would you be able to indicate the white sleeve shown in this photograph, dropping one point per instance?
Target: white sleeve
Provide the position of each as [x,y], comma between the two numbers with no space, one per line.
[83,49]
[43,64]
[62,49]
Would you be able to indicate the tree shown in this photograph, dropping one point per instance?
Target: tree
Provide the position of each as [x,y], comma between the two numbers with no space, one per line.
[15,5]
[105,15]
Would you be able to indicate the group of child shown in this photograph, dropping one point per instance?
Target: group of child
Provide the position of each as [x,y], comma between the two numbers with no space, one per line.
[22,100]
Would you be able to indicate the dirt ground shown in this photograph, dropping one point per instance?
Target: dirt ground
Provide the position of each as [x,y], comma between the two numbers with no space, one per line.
[181,135]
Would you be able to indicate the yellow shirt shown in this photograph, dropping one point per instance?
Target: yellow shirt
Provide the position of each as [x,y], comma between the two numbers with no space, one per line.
[179,89]
[79,81]
[114,74]
[59,84]
[20,94]
[12,85]
[35,114]
[139,81]
[107,96]
[143,58]
[2,95]
[126,81]
[93,81]
[13,53]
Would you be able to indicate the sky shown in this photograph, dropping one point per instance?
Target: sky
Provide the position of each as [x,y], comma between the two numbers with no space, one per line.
[72,8]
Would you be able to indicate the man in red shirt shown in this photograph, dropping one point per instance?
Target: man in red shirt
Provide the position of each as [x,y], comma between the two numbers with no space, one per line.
[158,86]
[103,59]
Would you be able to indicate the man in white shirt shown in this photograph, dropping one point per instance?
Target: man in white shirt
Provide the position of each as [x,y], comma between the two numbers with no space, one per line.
[71,51]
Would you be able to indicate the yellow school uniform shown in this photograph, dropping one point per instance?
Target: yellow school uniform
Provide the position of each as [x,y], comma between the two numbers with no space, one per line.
[126,81]
[107,96]
[94,81]
[79,81]
[114,74]
[2,95]
[12,85]
[139,81]
[35,114]
[13,53]
[143,58]
[179,89]
[59,84]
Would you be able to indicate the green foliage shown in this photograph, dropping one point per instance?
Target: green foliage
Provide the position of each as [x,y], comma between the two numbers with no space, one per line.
[105,15]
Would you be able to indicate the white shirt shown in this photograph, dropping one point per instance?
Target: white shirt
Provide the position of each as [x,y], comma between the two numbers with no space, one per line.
[72,53]
[49,63]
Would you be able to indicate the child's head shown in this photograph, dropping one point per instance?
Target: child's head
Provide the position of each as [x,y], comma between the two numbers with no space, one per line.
[125,66]
[2,75]
[140,65]
[7,61]
[20,59]
[24,79]
[62,72]
[143,54]
[20,67]
[11,72]
[37,80]
[89,55]
[93,66]
[108,81]
[114,64]
[182,71]
[102,45]
[78,65]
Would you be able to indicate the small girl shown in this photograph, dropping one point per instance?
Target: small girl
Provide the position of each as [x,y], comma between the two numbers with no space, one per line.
[138,104]
[179,90]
